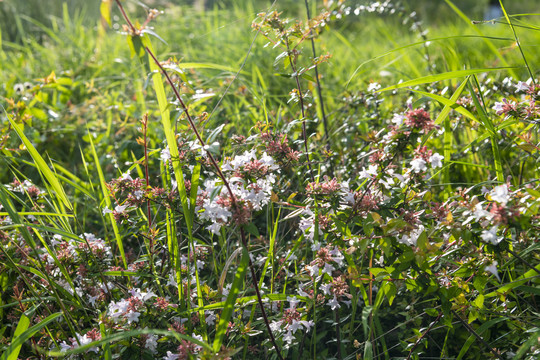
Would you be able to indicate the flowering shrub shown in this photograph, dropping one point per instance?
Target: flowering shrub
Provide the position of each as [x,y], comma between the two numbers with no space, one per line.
[309,237]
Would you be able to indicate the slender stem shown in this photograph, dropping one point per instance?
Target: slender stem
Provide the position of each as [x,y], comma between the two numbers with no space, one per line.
[220,174]
[229,190]
[338,333]
[424,334]
[301,97]
[145,128]
[471,330]
[319,87]
[523,260]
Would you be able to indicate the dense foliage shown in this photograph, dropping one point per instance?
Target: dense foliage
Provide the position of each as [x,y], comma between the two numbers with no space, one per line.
[271,187]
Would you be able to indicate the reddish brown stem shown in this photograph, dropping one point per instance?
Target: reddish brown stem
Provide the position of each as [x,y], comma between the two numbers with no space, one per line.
[220,174]
[145,127]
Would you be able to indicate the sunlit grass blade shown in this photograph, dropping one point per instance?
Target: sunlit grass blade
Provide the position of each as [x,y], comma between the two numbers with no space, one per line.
[14,348]
[488,42]
[228,306]
[169,134]
[517,42]
[488,124]
[443,76]
[108,203]
[42,165]
[22,325]
[126,335]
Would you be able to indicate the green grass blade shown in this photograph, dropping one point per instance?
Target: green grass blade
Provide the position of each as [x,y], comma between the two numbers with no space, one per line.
[517,41]
[169,134]
[107,200]
[42,165]
[488,124]
[22,325]
[485,326]
[229,305]
[444,76]
[488,42]
[13,350]
[126,335]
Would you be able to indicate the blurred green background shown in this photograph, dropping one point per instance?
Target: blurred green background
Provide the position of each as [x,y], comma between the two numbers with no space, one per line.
[16,15]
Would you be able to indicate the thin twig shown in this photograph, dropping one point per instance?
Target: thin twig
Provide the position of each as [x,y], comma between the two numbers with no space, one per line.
[471,330]
[319,87]
[301,98]
[220,174]
[424,334]
[523,260]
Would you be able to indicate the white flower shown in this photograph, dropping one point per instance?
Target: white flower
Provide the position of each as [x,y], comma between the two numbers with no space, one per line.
[120,208]
[328,269]
[172,281]
[126,176]
[210,318]
[498,107]
[412,238]
[334,304]
[171,356]
[117,309]
[436,160]
[275,326]
[500,194]
[151,343]
[293,301]
[288,337]
[521,86]
[295,325]
[418,165]
[307,324]
[373,87]
[165,154]
[337,256]
[132,316]
[369,173]
[84,340]
[480,213]
[493,269]
[64,346]
[490,235]
[398,119]
[314,270]
[326,288]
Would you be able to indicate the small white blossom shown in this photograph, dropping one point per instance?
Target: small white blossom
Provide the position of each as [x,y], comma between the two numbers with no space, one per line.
[418,165]
[373,87]
[500,194]
[490,236]
[436,160]
[521,86]
[493,269]
[334,303]
[369,173]
[398,119]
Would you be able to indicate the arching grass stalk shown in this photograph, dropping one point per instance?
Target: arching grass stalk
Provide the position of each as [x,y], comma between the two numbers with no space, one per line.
[301,102]
[215,165]
[319,88]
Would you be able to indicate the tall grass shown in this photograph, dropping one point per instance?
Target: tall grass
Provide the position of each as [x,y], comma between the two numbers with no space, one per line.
[172,195]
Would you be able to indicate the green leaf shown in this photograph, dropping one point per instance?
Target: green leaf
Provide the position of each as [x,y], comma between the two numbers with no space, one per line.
[108,203]
[126,335]
[228,308]
[22,325]
[485,326]
[12,351]
[444,76]
[51,177]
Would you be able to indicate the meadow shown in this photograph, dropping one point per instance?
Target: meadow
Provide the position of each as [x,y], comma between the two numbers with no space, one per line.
[269,180]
